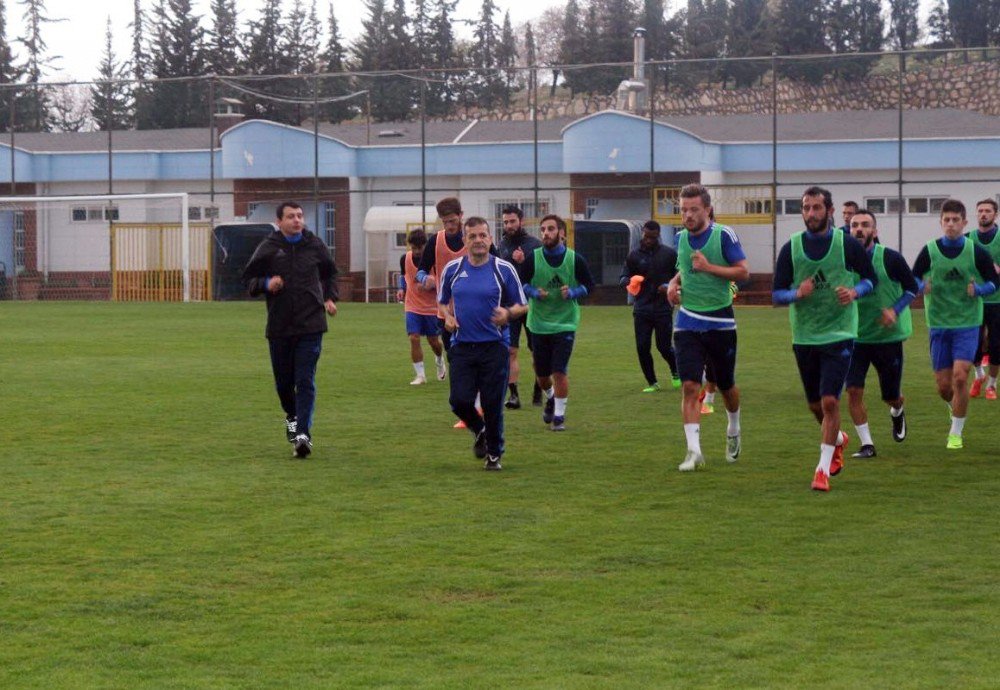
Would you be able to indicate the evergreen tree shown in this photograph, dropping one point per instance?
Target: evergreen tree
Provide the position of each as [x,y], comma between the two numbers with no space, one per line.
[178,52]
[591,78]
[747,36]
[222,46]
[141,92]
[530,60]
[10,73]
[441,54]
[571,48]
[110,97]
[369,52]
[35,99]
[855,26]
[265,56]
[904,25]
[799,30]
[301,55]
[972,22]
[485,87]
[617,20]
[422,29]
[703,39]
[507,58]
[334,62]
[401,92]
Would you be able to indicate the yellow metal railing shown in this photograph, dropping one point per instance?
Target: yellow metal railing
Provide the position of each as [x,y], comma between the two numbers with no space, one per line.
[147,262]
[732,204]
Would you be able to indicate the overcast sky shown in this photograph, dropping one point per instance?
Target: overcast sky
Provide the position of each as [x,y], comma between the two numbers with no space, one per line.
[80,39]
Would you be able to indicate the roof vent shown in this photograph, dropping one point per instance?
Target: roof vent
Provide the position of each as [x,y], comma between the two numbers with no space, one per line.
[386,133]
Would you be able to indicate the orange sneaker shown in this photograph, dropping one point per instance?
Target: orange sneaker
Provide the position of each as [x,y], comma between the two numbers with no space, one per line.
[459,425]
[821,482]
[991,393]
[986,361]
[837,464]
[976,386]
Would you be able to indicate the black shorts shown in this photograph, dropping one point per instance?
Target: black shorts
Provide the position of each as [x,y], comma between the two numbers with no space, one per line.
[887,358]
[515,327]
[715,349]
[991,324]
[552,351]
[823,368]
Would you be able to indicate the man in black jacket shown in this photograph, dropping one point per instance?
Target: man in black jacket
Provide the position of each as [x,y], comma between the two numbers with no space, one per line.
[648,270]
[293,268]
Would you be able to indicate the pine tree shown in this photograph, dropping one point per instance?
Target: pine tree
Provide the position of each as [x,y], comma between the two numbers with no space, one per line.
[507,59]
[141,70]
[972,22]
[485,87]
[441,57]
[178,53]
[616,20]
[110,98]
[334,61]
[855,26]
[748,37]
[798,28]
[571,49]
[369,54]
[264,55]
[401,92]
[904,24]
[222,46]
[10,73]
[35,99]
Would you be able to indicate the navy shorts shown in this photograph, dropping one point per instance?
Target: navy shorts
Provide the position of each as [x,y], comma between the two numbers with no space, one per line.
[949,345]
[552,352]
[716,350]
[823,368]
[422,324]
[887,358]
[991,324]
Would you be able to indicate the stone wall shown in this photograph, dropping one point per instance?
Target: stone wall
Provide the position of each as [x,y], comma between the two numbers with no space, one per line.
[970,86]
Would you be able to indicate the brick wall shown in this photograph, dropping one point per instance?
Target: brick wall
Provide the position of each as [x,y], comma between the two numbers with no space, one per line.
[620,186]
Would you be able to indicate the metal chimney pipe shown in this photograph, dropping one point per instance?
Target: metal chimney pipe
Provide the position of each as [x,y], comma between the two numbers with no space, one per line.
[638,98]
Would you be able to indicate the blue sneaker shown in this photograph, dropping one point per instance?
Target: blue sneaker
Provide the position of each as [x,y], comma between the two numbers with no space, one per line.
[558,424]
[549,410]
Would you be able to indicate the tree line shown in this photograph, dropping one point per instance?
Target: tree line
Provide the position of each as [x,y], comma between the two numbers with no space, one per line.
[433,69]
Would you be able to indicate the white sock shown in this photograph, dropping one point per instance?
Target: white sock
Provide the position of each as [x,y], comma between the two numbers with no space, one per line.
[479,402]
[419,368]
[896,411]
[439,359]
[709,398]
[560,410]
[693,434]
[840,438]
[992,383]
[865,434]
[549,392]
[734,423]
[957,425]
[980,371]
[825,458]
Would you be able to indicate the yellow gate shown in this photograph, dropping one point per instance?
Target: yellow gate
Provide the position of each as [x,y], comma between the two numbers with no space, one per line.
[732,204]
[147,262]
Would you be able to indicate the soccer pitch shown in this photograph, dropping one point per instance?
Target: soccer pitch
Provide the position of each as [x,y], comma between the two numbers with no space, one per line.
[156,532]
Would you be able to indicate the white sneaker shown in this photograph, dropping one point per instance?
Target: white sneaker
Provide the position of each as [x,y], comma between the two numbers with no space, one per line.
[442,370]
[692,461]
[418,381]
[732,448]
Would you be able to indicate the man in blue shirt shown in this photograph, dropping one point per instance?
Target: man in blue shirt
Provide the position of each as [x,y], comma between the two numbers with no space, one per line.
[989,335]
[480,294]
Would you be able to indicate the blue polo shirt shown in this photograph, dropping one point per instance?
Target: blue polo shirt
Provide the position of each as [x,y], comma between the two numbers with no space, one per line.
[477,291]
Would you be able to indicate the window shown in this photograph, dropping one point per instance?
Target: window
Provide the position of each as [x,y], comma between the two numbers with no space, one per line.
[757,206]
[194,213]
[792,207]
[591,206]
[252,209]
[20,242]
[400,240]
[330,221]
[527,206]
[93,214]
[911,205]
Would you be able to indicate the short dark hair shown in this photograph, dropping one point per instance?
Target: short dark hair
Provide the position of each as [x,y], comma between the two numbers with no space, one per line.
[866,212]
[516,210]
[695,190]
[651,225]
[857,208]
[953,206]
[287,204]
[476,220]
[448,206]
[560,223]
[417,237]
[991,202]
[819,191]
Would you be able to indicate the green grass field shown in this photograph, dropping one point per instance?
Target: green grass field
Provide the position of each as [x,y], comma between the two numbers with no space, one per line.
[155,532]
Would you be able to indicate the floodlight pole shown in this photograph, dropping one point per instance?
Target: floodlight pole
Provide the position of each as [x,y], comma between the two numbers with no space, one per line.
[899,172]
[186,248]
[774,160]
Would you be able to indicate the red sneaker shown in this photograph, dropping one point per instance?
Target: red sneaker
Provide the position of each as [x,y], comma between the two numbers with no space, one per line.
[821,482]
[837,464]
[459,425]
[986,361]
[991,393]
[976,386]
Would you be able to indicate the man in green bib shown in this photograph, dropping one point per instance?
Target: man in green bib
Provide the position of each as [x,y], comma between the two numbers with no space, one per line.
[555,280]
[884,323]
[820,272]
[949,268]
[989,335]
